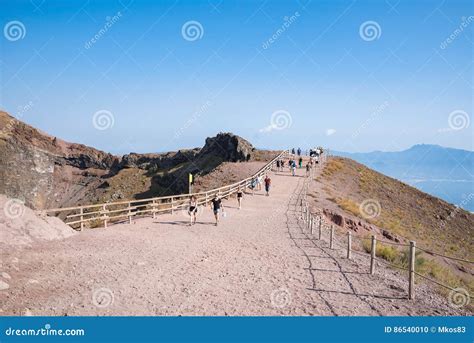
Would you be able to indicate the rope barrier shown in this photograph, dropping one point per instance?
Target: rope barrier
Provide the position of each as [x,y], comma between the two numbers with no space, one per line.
[441,284]
[449,257]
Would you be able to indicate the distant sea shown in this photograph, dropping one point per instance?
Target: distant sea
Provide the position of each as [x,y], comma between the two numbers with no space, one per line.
[458,192]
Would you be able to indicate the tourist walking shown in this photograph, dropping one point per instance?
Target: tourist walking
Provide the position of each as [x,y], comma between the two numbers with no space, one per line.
[300,162]
[293,168]
[192,210]
[217,207]
[268,183]
[240,195]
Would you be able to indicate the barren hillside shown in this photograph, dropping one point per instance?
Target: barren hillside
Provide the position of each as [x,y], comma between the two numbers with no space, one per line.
[366,202]
[45,171]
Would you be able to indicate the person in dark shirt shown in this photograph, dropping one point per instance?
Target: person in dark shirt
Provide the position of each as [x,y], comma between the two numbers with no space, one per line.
[268,182]
[240,195]
[217,207]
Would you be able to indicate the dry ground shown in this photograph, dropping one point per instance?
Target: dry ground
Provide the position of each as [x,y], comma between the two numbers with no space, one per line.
[259,261]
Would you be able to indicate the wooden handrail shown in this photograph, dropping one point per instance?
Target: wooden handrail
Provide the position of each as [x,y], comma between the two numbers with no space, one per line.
[153,204]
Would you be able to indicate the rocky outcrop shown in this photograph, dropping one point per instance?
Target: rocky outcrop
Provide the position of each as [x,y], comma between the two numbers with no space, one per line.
[229,147]
[44,171]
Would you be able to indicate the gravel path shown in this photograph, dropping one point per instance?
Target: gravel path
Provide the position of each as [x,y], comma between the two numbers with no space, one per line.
[259,261]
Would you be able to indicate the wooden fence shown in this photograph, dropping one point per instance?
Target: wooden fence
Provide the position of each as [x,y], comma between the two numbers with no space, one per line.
[105,213]
[312,222]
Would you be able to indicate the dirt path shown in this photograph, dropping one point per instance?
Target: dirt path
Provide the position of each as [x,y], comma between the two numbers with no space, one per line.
[258,261]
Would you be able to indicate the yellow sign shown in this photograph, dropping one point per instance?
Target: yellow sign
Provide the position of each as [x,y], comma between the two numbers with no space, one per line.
[190,178]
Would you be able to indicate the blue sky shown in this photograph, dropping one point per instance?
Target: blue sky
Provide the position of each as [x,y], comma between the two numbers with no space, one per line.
[322,78]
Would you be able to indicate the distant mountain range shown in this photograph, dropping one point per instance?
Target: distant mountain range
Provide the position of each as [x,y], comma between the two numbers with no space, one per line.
[443,172]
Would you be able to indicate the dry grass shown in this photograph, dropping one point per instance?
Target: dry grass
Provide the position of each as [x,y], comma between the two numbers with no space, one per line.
[411,214]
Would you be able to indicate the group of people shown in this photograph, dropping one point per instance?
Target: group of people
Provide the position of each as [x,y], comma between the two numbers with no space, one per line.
[216,202]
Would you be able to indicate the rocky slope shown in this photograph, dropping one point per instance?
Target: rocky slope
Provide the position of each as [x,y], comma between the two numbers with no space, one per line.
[45,172]
[361,200]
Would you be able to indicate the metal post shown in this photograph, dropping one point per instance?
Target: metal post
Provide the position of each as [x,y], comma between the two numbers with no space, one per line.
[349,245]
[82,218]
[411,275]
[331,242]
[373,248]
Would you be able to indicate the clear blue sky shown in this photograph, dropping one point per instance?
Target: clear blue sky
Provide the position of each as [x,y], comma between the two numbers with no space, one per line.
[166,92]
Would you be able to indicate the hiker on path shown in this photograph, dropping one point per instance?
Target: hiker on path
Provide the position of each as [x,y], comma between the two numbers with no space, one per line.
[217,207]
[192,210]
[268,183]
[293,168]
[293,151]
[240,195]
[299,151]
[278,165]
[308,169]
[300,162]
[259,183]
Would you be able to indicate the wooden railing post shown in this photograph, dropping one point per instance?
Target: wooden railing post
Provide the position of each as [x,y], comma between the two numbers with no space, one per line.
[320,229]
[349,245]
[82,217]
[331,242]
[172,205]
[311,224]
[153,207]
[104,210]
[129,213]
[411,274]
[373,249]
